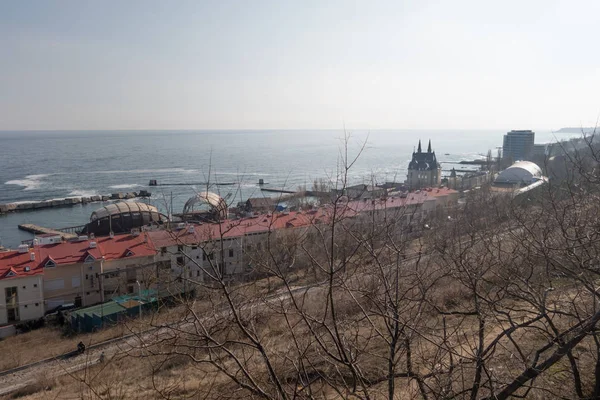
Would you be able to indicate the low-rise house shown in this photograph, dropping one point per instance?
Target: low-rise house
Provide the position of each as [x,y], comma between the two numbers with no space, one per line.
[261,204]
[411,207]
[363,191]
[73,270]
[196,252]
[224,248]
[21,287]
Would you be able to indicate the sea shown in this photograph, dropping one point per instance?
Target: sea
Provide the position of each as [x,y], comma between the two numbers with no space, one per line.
[42,165]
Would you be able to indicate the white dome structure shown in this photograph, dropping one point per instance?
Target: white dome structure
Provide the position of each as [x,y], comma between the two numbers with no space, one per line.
[520,173]
[217,206]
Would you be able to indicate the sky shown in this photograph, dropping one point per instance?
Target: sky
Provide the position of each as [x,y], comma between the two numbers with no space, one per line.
[389,64]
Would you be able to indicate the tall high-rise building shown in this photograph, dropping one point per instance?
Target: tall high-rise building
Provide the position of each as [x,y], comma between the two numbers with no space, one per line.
[518,145]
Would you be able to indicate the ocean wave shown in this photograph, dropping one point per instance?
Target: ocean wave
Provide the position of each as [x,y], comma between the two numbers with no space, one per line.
[30,182]
[142,171]
[82,193]
[242,173]
[125,186]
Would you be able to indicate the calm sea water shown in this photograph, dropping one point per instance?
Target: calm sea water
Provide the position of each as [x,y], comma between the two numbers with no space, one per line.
[47,165]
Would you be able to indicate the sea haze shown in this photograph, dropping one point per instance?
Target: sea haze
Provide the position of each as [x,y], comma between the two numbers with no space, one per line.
[53,164]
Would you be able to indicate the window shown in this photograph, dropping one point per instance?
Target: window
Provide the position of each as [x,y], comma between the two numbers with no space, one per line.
[50,264]
[35,285]
[11,297]
[54,284]
[163,251]
[37,304]
[24,287]
[180,261]
[180,248]
[198,273]
[25,305]
[203,256]
[230,252]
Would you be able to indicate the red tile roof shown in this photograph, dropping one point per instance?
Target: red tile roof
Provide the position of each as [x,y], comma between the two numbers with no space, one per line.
[15,262]
[230,228]
[399,202]
[75,252]
[118,246]
[269,222]
[147,243]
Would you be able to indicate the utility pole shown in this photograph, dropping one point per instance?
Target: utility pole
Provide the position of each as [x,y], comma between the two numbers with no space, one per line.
[139,298]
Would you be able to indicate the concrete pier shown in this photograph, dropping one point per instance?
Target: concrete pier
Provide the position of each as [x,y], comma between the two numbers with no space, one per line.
[154,182]
[69,201]
[40,230]
[277,190]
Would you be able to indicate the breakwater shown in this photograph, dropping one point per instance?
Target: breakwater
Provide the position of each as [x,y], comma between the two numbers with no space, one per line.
[40,230]
[69,201]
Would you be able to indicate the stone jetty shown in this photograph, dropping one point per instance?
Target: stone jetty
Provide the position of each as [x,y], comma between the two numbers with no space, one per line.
[40,230]
[69,201]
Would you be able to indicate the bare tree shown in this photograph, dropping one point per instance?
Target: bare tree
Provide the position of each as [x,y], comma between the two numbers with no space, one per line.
[496,299]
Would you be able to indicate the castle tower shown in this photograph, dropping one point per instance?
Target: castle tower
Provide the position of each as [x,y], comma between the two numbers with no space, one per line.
[424,169]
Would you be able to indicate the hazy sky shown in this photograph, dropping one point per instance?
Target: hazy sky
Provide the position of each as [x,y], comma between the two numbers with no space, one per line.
[298,64]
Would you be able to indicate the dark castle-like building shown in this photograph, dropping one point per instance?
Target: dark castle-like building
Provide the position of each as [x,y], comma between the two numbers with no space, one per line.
[423,169]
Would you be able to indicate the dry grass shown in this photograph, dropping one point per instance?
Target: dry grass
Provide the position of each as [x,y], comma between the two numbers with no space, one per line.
[177,376]
[145,374]
[50,342]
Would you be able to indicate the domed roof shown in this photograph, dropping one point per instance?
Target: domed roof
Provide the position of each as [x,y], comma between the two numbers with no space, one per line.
[123,207]
[520,172]
[213,200]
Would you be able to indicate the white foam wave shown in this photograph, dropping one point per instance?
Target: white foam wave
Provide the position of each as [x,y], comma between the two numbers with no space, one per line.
[143,171]
[125,186]
[242,174]
[30,182]
[82,193]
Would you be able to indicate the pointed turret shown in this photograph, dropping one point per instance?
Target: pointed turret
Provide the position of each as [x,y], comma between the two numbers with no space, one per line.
[429,147]
[419,148]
